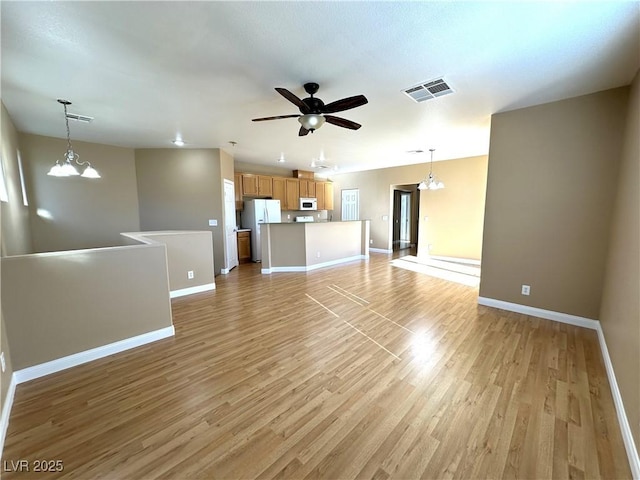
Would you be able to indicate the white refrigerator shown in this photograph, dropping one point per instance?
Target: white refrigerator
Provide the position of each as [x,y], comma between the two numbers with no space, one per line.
[256,212]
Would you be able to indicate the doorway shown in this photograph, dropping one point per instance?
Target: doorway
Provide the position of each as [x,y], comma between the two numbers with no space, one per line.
[230,229]
[404,213]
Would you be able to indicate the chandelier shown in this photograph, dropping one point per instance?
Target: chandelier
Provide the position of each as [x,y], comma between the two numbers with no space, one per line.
[430,183]
[68,166]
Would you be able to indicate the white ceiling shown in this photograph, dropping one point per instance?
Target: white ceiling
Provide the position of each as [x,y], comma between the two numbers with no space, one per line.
[148,71]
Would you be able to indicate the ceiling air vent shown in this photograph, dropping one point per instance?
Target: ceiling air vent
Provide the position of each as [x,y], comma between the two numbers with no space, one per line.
[79,118]
[428,90]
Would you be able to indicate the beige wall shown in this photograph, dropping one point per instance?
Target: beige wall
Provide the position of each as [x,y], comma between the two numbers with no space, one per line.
[455,213]
[15,215]
[326,242]
[108,294]
[83,213]
[186,251]
[181,189]
[551,184]
[620,312]
[275,169]
[5,377]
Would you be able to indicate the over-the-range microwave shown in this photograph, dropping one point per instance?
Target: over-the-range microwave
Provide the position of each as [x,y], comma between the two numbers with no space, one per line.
[308,204]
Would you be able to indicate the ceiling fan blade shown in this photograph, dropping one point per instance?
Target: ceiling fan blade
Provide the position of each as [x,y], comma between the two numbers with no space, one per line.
[274,118]
[342,122]
[292,98]
[345,104]
[302,132]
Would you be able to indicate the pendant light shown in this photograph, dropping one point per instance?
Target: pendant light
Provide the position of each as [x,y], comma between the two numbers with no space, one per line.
[68,166]
[430,183]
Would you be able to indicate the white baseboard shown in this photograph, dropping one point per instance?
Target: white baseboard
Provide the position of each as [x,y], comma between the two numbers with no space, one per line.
[380,250]
[308,268]
[59,364]
[191,290]
[625,428]
[540,313]
[623,421]
[470,261]
[7,403]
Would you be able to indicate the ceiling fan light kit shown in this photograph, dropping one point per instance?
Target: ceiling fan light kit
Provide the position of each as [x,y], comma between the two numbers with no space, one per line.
[68,167]
[313,111]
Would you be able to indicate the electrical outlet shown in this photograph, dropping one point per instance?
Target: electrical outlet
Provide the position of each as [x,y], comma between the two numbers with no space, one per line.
[213,223]
[190,274]
[288,217]
[526,290]
[371,241]
[4,365]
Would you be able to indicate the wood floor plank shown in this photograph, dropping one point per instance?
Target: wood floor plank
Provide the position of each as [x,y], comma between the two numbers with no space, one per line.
[262,382]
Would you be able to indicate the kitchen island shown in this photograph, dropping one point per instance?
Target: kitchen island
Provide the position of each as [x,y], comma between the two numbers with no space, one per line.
[300,247]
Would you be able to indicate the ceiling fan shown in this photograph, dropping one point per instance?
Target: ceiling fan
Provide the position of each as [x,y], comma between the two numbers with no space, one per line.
[313,111]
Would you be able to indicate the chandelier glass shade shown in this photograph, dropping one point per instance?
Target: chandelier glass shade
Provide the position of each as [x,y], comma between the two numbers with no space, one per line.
[68,167]
[430,182]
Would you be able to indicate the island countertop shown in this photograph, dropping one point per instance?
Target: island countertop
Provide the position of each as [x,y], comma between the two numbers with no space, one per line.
[312,245]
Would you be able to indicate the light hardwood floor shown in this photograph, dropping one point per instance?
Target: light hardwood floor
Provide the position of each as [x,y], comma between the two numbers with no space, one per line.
[358,371]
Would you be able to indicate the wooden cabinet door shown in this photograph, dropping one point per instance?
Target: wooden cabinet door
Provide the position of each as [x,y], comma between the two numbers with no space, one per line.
[320,195]
[307,189]
[293,194]
[279,190]
[249,184]
[304,188]
[264,186]
[328,196]
[237,185]
[244,247]
[311,189]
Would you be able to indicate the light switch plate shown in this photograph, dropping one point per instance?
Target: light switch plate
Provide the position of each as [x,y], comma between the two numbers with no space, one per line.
[213,223]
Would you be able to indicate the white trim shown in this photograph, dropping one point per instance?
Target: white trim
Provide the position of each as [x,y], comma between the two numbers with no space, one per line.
[623,421]
[379,250]
[541,313]
[308,268]
[37,371]
[625,428]
[470,261]
[191,290]
[7,403]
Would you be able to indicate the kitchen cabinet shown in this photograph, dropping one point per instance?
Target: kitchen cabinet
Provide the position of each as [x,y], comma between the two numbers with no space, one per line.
[244,246]
[237,186]
[328,196]
[292,194]
[279,190]
[249,184]
[256,185]
[320,195]
[264,186]
[307,188]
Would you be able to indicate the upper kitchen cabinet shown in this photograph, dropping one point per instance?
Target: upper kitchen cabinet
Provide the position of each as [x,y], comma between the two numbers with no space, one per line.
[279,190]
[293,194]
[256,185]
[237,185]
[328,196]
[307,189]
[264,186]
[320,195]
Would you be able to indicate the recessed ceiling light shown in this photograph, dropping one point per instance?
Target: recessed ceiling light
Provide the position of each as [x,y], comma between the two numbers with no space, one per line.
[281,159]
[178,142]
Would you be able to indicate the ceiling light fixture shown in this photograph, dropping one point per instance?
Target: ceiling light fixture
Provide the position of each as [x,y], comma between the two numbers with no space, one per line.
[430,183]
[281,159]
[178,142]
[311,121]
[67,168]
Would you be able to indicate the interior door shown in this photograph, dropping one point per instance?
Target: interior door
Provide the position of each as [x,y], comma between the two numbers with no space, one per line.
[230,227]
